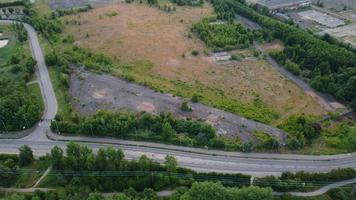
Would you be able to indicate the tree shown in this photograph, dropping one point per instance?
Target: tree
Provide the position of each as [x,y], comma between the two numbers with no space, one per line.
[30,65]
[95,196]
[251,193]
[121,197]
[25,156]
[167,130]
[271,143]
[51,58]
[247,147]
[195,98]
[206,191]
[7,176]
[171,164]
[149,194]
[57,157]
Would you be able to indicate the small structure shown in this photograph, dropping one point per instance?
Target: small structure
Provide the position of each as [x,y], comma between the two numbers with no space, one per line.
[281,17]
[275,6]
[222,56]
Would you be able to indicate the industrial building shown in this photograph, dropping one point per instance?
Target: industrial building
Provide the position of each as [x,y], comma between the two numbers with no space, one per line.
[281,5]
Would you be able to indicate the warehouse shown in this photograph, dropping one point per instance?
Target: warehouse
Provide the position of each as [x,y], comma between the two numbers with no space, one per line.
[280,5]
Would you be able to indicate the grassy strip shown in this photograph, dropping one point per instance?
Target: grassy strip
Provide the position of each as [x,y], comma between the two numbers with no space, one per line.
[35,91]
[63,99]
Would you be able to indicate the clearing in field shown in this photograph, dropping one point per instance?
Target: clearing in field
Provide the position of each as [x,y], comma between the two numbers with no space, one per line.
[158,48]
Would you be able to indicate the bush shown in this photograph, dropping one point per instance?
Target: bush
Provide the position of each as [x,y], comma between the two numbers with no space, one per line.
[25,156]
[195,98]
[195,53]
[223,36]
[185,107]
[236,57]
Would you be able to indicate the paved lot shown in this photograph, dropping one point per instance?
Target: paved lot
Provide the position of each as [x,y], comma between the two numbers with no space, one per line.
[66,4]
[91,92]
[321,18]
[339,4]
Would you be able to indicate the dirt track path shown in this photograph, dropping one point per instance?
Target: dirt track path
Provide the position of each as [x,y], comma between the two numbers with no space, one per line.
[328,102]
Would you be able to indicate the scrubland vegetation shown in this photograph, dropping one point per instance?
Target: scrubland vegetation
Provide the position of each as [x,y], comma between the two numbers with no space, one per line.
[328,67]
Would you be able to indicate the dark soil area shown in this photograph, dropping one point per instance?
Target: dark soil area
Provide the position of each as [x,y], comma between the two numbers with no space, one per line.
[91,92]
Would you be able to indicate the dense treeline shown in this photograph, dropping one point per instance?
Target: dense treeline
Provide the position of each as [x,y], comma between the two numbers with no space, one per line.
[18,108]
[81,174]
[223,35]
[303,181]
[71,11]
[109,171]
[216,191]
[20,31]
[188,2]
[49,26]
[13,167]
[9,169]
[199,191]
[12,3]
[329,68]
[163,128]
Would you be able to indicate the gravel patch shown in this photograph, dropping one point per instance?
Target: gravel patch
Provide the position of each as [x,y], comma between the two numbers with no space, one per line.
[66,4]
[91,92]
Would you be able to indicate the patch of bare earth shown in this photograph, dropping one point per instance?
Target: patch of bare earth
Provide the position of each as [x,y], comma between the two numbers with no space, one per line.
[143,34]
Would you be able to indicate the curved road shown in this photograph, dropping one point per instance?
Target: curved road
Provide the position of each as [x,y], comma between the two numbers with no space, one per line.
[197,159]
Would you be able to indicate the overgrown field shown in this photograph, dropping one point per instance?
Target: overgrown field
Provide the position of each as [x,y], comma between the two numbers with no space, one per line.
[159,50]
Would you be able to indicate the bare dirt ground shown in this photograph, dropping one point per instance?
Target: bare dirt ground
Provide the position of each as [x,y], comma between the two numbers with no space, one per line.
[91,92]
[142,35]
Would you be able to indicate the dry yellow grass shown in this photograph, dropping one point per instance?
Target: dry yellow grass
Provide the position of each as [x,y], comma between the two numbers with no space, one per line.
[140,33]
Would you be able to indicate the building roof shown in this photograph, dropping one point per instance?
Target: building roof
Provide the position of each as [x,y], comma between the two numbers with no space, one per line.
[276,4]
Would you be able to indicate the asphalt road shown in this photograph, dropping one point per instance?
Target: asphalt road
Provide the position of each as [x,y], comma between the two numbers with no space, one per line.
[196,159]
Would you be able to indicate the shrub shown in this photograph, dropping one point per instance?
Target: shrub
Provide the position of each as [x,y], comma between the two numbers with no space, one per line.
[25,156]
[195,98]
[195,53]
[185,107]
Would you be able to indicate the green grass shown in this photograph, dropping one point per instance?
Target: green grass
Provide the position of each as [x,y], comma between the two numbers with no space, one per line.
[42,7]
[35,91]
[63,99]
[30,174]
[256,110]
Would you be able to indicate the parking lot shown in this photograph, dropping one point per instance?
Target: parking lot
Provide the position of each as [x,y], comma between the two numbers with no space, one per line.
[321,18]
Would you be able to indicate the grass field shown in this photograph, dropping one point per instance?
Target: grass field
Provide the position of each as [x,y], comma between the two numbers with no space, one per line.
[35,91]
[157,47]
[7,51]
